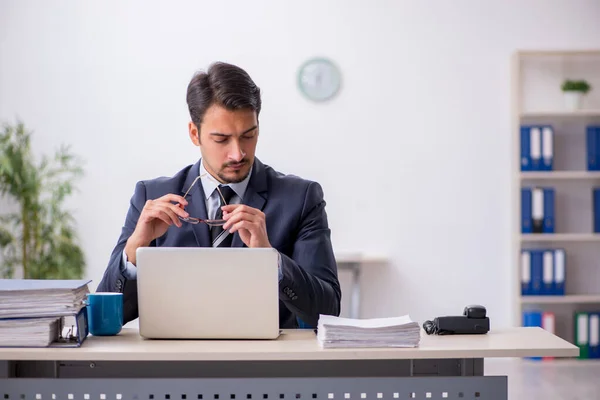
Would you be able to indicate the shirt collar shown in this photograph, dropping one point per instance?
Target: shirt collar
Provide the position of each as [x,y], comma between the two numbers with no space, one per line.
[209,184]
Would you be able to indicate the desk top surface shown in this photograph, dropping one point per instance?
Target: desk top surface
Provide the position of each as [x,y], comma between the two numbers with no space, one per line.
[301,345]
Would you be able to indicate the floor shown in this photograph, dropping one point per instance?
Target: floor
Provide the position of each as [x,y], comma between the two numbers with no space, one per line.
[549,380]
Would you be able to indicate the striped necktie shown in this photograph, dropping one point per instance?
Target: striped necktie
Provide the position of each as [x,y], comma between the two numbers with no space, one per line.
[221,238]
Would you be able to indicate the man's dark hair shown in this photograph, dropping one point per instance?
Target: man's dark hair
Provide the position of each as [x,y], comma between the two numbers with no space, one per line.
[223,84]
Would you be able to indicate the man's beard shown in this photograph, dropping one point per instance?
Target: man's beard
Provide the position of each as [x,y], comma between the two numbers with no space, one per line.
[226,179]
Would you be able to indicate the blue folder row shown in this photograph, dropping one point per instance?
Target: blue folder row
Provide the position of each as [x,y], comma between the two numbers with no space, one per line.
[537,210]
[543,272]
[537,148]
[593,147]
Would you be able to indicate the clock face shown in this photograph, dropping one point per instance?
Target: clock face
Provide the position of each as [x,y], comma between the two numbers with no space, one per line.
[319,79]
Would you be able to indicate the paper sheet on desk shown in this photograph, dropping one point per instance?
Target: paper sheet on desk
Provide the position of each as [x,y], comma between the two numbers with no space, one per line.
[376,332]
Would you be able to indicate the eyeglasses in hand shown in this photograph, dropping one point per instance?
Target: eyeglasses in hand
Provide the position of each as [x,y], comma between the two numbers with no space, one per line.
[209,222]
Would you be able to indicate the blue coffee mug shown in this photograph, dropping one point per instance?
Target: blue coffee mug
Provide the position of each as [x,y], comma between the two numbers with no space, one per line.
[105,313]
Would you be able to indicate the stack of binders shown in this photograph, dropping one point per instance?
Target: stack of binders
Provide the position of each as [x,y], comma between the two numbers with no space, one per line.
[537,210]
[537,148]
[543,272]
[587,334]
[43,313]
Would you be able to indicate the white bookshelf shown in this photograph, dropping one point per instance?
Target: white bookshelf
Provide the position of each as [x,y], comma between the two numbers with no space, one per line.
[568,299]
[559,175]
[560,237]
[538,99]
[561,114]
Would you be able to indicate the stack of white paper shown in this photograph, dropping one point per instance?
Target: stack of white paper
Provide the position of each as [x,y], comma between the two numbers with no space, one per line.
[32,310]
[29,332]
[335,332]
[25,298]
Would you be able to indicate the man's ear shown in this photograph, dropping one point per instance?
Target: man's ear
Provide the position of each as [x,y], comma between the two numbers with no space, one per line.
[194,133]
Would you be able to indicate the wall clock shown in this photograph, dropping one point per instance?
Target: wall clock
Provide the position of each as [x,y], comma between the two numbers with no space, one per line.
[319,79]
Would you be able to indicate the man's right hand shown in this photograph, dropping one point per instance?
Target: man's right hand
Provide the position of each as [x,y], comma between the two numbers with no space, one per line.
[155,218]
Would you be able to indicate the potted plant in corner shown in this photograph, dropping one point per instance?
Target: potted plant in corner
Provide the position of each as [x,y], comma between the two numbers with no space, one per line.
[39,237]
[574,90]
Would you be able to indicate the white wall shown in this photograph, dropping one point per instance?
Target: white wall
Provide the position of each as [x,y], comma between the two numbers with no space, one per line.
[414,155]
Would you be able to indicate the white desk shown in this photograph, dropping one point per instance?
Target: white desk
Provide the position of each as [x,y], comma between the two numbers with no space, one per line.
[293,366]
[353,262]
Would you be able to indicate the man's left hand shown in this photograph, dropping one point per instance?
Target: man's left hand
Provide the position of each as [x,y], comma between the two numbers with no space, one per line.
[249,222]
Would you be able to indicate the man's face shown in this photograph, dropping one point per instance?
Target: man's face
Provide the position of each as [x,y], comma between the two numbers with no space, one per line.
[227,142]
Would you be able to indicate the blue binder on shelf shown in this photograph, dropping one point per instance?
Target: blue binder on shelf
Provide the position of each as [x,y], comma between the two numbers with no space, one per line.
[537,272]
[548,210]
[547,163]
[525,148]
[535,144]
[526,287]
[526,208]
[547,272]
[596,209]
[560,272]
[593,147]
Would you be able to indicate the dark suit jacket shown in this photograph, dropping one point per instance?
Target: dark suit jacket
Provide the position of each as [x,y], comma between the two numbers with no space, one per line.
[296,224]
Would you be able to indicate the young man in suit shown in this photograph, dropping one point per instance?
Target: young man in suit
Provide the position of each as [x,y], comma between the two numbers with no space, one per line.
[257,206]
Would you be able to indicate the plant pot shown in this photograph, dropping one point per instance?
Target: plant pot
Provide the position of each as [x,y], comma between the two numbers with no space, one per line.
[573,100]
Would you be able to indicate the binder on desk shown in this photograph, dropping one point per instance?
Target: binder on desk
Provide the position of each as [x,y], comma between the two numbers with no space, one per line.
[535,148]
[48,331]
[547,148]
[43,313]
[525,148]
[526,207]
[582,334]
[548,210]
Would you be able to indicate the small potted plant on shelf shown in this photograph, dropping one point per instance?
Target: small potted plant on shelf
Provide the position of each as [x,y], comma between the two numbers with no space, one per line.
[574,91]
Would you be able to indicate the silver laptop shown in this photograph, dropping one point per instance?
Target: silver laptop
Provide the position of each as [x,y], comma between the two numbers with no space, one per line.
[207,293]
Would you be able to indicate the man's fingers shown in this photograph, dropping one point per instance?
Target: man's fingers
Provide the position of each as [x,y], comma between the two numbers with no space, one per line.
[164,209]
[173,197]
[178,210]
[158,214]
[248,225]
[236,208]
[241,216]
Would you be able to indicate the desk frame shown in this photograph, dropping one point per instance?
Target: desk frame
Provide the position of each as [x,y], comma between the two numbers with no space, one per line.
[252,380]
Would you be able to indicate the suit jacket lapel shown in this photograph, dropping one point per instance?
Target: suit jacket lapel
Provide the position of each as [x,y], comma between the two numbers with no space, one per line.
[196,206]
[255,196]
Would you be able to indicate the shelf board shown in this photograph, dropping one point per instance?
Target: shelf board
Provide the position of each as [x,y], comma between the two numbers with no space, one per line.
[562,113]
[568,299]
[560,237]
[560,175]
